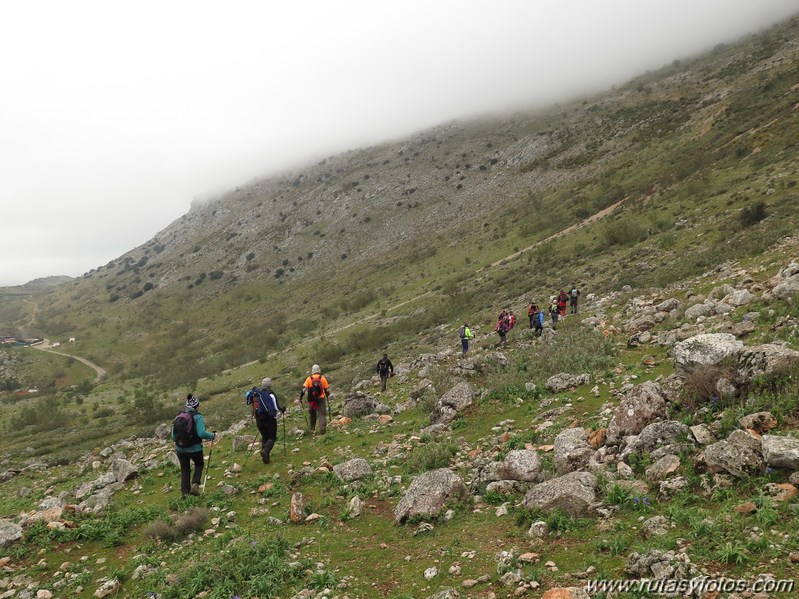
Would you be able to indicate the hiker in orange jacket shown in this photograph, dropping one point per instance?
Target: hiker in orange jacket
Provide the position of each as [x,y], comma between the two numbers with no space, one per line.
[318,390]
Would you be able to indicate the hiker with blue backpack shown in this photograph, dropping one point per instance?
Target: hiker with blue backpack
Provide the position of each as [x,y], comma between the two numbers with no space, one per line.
[318,390]
[188,432]
[265,408]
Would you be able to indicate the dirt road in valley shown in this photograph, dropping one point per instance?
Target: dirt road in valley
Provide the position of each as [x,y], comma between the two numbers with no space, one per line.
[45,346]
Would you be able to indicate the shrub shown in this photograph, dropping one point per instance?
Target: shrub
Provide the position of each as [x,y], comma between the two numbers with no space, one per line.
[622,232]
[430,456]
[751,215]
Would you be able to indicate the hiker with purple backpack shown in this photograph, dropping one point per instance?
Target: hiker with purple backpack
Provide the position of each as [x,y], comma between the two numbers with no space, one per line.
[188,432]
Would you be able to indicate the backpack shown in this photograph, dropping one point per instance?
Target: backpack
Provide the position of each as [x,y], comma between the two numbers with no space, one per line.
[315,391]
[462,332]
[574,292]
[261,404]
[184,431]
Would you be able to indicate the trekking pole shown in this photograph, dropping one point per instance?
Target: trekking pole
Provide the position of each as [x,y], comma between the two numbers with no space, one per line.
[208,466]
[284,433]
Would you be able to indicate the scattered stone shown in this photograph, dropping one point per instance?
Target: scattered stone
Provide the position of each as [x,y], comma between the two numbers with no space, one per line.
[354,507]
[564,381]
[109,587]
[296,514]
[351,470]
[572,451]
[644,404]
[663,468]
[781,452]
[763,359]
[745,508]
[9,532]
[566,593]
[760,422]
[597,438]
[780,492]
[430,573]
[739,455]
[657,526]
[574,493]
[702,434]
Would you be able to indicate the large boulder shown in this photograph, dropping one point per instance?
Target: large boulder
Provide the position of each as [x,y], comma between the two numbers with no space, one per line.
[358,404]
[123,470]
[442,414]
[572,450]
[780,452]
[644,404]
[787,288]
[697,310]
[669,434]
[354,469]
[564,381]
[668,305]
[739,297]
[574,493]
[460,397]
[768,358]
[521,464]
[9,532]
[708,349]
[739,454]
[658,564]
[428,493]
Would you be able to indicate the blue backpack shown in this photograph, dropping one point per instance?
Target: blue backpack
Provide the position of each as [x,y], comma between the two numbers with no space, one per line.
[262,404]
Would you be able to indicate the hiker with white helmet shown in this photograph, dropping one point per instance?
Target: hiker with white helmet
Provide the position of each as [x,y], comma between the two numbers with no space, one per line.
[265,408]
[318,390]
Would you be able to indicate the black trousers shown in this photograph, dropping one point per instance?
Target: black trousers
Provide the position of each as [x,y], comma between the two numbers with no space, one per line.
[186,478]
[268,428]
[383,379]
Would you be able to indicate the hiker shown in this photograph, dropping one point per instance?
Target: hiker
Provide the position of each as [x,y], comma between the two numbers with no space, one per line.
[189,446]
[385,369]
[502,327]
[563,301]
[511,320]
[465,333]
[574,293]
[537,320]
[531,310]
[554,312]
[318,390]
[265,408]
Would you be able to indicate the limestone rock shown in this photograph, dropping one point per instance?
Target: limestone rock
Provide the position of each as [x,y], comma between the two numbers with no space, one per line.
[564,381]
[124,470]
[428,493]
[705,349]
[739,455]
[9,532]
[572,451]
[574,493]
[766,359]
[644,404]
[354,469]
[780,452]
[760,422]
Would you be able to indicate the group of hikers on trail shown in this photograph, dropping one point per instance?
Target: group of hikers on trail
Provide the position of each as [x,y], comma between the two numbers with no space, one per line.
[189,430]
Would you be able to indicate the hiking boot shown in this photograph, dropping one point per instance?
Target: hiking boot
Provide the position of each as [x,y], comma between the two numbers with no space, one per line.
[195,489]
[264,457]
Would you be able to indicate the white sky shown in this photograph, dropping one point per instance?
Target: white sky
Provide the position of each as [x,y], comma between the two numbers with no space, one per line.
[114,115]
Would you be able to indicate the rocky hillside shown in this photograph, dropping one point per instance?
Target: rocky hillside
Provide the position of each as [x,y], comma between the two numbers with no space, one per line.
[660,447]
[358,233]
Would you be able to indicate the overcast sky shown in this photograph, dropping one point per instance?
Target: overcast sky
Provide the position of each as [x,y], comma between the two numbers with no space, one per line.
[114,115]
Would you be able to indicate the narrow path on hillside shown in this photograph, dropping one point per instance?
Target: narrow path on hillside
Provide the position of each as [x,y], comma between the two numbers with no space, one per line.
[45,346]
[570,229]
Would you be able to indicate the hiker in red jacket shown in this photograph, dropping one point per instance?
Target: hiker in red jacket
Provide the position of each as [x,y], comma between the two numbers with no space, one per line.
[563,302]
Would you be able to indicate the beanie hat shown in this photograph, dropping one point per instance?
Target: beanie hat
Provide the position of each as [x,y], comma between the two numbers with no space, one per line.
[192,403]
[267,382]
[315,369]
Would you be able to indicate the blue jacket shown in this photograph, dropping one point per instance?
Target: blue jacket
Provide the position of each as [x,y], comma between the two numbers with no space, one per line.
[199,428]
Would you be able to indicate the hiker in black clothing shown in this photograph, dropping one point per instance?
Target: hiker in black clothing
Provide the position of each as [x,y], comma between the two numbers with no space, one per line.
[265,408]
[574,293]
[385,369]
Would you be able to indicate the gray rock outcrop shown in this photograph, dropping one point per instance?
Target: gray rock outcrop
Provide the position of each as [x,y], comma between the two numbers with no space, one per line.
[644,404]
[707,349]
[780,452]
[564,381]
[572,451]
[428,493]
[574,493]
[354,469]
[739,454]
